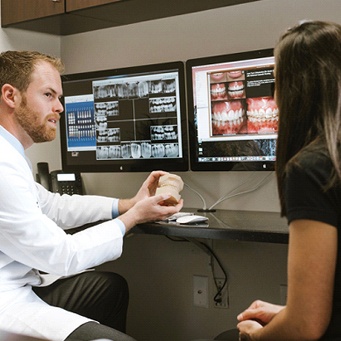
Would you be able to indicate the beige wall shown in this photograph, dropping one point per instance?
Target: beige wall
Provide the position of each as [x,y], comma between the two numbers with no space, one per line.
[160,271]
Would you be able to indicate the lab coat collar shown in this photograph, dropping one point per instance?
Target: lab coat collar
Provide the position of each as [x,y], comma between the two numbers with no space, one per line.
[14,142]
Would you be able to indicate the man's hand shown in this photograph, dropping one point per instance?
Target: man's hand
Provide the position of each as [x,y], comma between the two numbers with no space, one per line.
[149,209]
[255,317]
[247,328]
[147,190]
[260,311]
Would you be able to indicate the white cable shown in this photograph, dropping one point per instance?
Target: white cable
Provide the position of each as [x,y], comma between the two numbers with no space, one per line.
[199,195]
[233,190]
[231,195]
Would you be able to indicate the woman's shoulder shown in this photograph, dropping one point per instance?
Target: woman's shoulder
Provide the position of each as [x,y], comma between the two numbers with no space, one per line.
[312,156]
[312,162]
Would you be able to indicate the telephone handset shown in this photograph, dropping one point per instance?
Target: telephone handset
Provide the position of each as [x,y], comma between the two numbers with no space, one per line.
[58,181]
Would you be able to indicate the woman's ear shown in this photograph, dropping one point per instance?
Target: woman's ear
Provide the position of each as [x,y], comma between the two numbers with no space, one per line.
[9,95]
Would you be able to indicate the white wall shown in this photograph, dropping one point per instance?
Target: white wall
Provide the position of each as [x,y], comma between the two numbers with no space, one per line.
[13,39]
[160,271]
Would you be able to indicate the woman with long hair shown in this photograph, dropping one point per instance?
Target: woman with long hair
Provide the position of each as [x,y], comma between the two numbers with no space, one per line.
[308,95]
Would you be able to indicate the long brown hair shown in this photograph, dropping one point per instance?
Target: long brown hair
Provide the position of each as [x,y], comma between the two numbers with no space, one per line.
[308,94]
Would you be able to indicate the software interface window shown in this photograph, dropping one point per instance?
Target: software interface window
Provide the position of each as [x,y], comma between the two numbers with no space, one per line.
[129,117]
[233,110]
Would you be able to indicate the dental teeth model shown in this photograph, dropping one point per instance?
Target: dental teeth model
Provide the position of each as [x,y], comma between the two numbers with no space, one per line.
[170,184]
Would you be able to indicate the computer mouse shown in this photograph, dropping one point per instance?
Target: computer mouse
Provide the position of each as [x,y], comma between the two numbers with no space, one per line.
[191,219]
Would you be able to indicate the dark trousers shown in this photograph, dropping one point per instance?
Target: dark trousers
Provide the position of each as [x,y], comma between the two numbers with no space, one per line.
[102,296]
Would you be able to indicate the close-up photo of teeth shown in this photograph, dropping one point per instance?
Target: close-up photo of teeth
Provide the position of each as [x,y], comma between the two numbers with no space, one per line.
[169,86]
[236,90]
[101,121]
[235,74]
[218,77]
[113,135]
[112,108]
[102,152]
[262,115]
[102,135]
[158,150]
[136,150]
[218,91]
[105,91]
[172,149]
[162,104]
[146,150]
[228,117]
[231,117]
[114,152]
[162,86]
[168,132]
[101,108]
[156,87]
[126,150]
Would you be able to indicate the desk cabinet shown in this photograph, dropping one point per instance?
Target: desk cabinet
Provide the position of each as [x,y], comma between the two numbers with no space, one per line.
[63,17]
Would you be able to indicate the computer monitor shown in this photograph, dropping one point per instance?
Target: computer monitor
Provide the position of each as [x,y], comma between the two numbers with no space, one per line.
[125,120]
[232,113]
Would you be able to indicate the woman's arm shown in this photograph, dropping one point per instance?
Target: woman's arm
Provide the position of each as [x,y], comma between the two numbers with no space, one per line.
[311,271]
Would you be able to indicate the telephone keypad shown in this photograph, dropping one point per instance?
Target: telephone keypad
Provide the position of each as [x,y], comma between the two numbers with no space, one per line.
[68,189]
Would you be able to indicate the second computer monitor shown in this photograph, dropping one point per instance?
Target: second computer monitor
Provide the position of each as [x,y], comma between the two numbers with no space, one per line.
[232,112]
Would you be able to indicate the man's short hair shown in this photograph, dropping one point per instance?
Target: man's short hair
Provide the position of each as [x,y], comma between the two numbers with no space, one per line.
[16,67]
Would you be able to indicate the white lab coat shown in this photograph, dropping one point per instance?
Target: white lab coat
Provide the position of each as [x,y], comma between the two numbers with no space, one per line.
[32,237]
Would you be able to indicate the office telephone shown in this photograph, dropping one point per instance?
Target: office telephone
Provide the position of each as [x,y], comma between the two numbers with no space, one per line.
[58,181]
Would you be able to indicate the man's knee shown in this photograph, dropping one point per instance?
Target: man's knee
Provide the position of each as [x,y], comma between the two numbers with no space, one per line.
[92,331]
[112,284]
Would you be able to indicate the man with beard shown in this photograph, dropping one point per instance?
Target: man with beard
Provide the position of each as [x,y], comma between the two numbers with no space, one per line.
[83,305]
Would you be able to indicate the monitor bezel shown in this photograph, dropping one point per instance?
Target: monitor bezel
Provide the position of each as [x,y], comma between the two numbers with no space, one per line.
[195,165]
[132,165]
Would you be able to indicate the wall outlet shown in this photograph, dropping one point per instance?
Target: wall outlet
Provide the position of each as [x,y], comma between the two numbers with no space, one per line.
[200,291]
[221,301]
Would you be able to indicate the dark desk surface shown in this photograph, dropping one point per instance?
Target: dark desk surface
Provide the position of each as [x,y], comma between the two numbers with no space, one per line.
[253,226]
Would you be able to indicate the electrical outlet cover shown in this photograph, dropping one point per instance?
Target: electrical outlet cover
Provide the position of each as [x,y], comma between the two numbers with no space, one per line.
[200,291]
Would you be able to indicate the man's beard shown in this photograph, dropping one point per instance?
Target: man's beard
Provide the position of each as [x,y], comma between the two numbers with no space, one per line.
[29,121]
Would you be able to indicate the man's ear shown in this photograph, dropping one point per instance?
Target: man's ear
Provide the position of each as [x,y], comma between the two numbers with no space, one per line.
[9,95]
